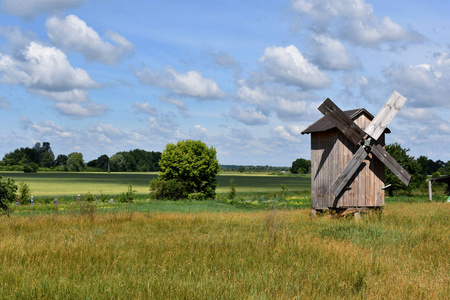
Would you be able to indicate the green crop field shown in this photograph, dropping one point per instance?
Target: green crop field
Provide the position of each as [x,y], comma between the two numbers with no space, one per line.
[69,184]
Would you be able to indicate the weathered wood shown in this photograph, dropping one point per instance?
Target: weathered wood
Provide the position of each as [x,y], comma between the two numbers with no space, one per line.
[430,190]
[391,163]
[341,121]
[353,165]
[331,151]
[385,115]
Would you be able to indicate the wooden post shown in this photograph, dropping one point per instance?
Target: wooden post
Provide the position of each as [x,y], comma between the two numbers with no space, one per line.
[313,213]
[430,192]
[357,215]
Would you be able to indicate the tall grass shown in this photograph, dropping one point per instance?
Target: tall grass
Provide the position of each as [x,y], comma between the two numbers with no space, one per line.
[277,254]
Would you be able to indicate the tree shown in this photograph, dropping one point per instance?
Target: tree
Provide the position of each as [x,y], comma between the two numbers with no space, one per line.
[101,163]
[117,162]
[61,160]
[190,165]
[47,157]
[75,162]
[301,166]
[409,164]
[8,190]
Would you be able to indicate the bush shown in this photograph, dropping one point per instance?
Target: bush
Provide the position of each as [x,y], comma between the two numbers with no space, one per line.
[31,168]
[171,189]
[7,193]
[128,196]
[88,197]
[24,192]
[190,165]
[232,193]
[61,168]
[196,196]
[103,198]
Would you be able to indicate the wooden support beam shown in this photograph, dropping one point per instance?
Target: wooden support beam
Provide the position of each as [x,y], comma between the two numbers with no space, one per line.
[430,191]
[341,181]
[343,122]
[391,163]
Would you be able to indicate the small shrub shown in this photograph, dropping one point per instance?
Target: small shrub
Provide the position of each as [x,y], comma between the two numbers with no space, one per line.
[30,168]
[128,196]
[24,192]
[232,192]
[104,198]
[8,190]
[171,189]
[88,209]
[88,197]
[197,196]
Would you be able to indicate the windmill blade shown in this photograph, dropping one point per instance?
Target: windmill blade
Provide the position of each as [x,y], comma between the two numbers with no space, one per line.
[391,163]
[346,125]
[346,174]
[385,115]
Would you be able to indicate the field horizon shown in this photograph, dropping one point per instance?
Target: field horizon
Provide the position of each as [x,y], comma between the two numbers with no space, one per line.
[74,183]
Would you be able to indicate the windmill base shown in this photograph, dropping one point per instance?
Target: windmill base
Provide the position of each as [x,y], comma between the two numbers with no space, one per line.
[343,211]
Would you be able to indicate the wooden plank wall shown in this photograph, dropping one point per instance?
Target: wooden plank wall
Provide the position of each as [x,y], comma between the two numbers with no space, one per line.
[330,153]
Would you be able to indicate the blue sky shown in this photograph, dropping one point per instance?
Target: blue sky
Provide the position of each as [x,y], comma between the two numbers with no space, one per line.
[246,77]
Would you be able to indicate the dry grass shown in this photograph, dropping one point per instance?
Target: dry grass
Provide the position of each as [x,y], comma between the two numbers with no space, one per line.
[405,254]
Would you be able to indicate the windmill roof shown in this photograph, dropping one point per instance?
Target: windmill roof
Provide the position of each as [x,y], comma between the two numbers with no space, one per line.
[323,124]
[442,178]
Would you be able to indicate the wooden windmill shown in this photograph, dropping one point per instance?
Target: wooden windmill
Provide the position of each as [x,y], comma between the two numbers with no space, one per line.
[348,158]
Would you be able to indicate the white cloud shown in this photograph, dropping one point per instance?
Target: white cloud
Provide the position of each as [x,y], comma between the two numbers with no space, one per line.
[331,54]
[72,33]
[44,68]
[415,114]
[46,71]
[29,9]
[290,110]
[45,129]
[355,21]
[178,103]
[422,85]
[256,96]
[283,133]
[199,129]
[75,95]
[75,110]
[190,84]
[18,39]
[288,66]
[443,61]
[288,105]
[249,116]
[144,108]
[108,130]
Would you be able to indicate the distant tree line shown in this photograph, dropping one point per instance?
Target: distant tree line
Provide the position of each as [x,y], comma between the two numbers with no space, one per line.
[252,169]
[419,169]
[42,157]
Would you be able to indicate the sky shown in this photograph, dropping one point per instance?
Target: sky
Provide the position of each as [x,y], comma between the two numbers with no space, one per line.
[245,77]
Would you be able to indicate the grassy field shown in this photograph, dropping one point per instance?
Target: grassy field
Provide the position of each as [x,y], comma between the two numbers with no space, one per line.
[71,184]
[274,254]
